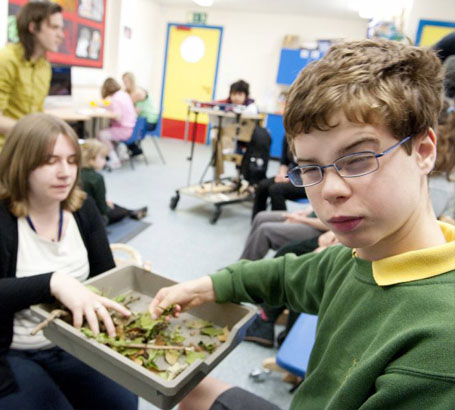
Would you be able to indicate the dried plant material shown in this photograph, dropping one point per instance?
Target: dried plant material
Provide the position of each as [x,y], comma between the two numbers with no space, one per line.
[224,336]
[158,345]
[197,324]
[172,356]
[175,370]
[211,331]
[193,356]
[54,315]
[209,347]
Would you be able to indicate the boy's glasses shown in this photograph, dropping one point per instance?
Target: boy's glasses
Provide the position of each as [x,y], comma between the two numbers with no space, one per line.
[348,166]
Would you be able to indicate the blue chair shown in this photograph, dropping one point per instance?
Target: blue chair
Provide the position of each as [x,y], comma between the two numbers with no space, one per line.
[295,351]
[155,133]
[139,133]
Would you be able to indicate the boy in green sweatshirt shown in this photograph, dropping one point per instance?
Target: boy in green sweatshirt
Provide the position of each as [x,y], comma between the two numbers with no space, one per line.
[361,122]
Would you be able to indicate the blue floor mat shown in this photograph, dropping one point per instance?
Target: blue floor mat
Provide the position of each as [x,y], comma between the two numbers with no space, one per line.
[125,230]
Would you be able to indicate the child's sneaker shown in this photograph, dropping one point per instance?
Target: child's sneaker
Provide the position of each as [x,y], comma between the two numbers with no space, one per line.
[139,213]
[122,152]
[261,332]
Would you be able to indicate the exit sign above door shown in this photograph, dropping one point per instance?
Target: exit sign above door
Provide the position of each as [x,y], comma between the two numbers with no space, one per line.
[197,18]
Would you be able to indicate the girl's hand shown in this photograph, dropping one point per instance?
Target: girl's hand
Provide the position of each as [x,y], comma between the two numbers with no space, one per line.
[82,302]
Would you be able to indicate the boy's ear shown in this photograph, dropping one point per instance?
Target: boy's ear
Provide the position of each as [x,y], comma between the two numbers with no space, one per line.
[425,150]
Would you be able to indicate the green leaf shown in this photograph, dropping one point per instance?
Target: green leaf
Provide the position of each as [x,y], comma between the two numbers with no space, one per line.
[210,347]
[193,356]
[211,331]
[120,298]
[146,321]
[197,324]
[172,356]
[87,332]
[163,375]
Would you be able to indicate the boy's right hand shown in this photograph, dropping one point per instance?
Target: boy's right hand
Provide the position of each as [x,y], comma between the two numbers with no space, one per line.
[184,295]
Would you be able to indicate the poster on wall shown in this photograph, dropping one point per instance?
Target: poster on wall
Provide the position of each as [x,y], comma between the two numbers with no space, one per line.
[84,22]
[430,32]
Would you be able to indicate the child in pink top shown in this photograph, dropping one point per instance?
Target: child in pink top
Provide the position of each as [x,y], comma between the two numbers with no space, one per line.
[122,125]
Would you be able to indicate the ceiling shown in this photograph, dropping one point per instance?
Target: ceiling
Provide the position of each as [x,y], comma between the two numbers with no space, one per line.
[326,8]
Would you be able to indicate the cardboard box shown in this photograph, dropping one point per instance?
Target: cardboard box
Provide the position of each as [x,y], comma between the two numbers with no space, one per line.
[162,393]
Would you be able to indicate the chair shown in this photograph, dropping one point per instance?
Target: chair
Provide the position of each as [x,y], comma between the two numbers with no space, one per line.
[295,351]
[125,255]
[139,133]
[155,133]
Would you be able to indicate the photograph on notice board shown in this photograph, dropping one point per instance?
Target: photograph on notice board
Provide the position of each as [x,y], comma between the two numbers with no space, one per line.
[91,9]
[84,24]
[88,42]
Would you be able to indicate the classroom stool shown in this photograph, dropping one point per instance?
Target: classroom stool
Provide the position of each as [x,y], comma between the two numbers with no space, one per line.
[295,351]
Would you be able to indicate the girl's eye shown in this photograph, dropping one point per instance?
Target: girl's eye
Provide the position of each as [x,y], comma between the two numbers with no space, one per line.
[51,160]
[72,160]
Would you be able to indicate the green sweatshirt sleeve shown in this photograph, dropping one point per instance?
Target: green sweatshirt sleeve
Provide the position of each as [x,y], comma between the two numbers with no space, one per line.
[297,282]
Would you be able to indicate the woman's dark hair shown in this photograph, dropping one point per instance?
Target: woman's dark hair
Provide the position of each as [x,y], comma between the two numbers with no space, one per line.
[34,12]
[240,87]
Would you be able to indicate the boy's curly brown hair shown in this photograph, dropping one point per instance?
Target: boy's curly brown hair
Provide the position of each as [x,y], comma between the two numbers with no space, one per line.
[375,82]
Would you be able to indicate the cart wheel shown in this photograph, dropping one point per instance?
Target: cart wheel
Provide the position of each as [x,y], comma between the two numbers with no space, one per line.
[216,215]
[174,202]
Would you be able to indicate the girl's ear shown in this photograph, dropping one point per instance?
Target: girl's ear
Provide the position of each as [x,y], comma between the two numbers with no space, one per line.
[425,149]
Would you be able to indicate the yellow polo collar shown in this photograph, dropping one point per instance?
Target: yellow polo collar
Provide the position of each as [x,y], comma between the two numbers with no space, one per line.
[417,265]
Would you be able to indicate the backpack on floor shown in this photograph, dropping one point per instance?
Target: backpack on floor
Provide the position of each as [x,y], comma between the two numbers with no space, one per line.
[257,155]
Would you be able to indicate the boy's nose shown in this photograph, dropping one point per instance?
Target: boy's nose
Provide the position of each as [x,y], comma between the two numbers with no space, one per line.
[334,186]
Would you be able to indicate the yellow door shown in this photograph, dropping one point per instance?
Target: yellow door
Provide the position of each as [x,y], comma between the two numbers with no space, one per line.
[190,71]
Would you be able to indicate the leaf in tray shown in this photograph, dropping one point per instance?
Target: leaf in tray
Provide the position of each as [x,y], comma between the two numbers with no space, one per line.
[151,326]
[120,298]
[223,337]
[209,347]
[87,332]
[197,324]
[172,356]
[193,356]
[177,338]
[211,331]
[128,351]
[163,375]
[150,363]
[168,311]
[138,361]
[175,370]
[93,289]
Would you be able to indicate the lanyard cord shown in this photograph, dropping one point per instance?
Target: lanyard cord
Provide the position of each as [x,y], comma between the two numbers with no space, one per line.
[60,224]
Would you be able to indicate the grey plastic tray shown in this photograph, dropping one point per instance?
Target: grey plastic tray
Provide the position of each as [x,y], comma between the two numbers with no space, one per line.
[162,393]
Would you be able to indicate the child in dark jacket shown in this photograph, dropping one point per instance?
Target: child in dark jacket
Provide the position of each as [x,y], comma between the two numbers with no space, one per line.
[93,159]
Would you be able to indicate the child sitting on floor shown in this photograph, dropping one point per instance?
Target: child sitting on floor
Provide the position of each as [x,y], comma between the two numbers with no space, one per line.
[94,159]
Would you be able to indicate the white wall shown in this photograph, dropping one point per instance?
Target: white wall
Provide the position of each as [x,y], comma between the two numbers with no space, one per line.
[443,10]
[250,47]
[251,44]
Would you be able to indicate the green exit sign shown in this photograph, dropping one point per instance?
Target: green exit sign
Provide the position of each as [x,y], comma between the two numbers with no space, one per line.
[198,18]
